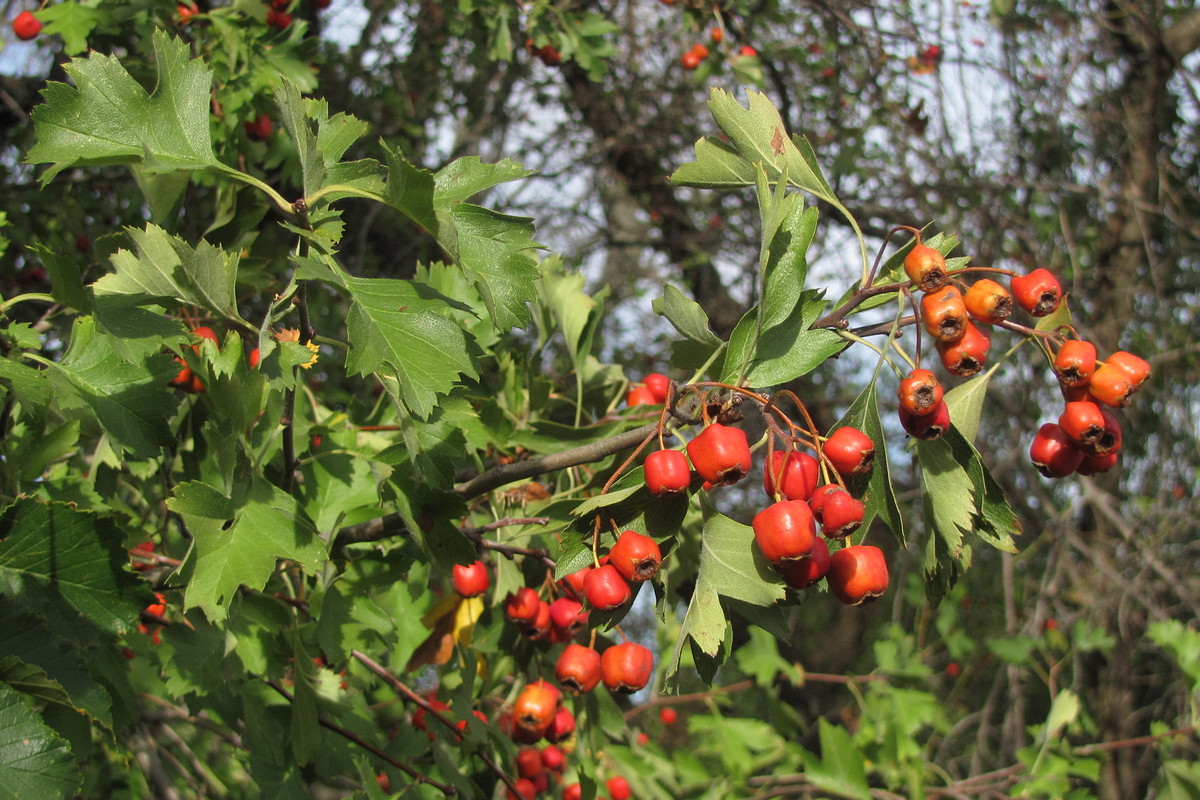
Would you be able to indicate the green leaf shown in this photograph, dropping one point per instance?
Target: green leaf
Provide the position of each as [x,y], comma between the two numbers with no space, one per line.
[34,761]
[759,136]
[72,21]
[718,165]
[52,554]
[463,178]
[947,489]
[792,348]
[394,326]
[166,268]
[783,260]
[1063,711]
[686,315]
[131,400]
[409,190]
[840,769]
[965,402]
[730,565]
[108,118]
[493,250]
[1056,319]
[228,553]
[875,488]
[66,283]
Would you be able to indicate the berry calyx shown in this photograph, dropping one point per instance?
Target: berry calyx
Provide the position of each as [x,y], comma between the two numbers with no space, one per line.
[470,580]
[26,26]
[836,511]
[605,588]
[1075,362]
[857,574]
[785,531]
[926,267]
[807,571]
[944,314]
[636,556]
[578,668]
[920,393]
[720,454]
[1053,453]
[626,667]
[988,301]
[667,472]
[850,451]
[791,476]
[1038,292]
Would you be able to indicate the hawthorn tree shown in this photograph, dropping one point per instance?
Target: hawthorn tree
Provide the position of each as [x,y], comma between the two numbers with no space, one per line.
[294,352]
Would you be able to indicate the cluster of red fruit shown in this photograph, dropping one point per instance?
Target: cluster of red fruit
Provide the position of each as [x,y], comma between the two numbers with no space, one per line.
[694,57]
[188,381]
[278,16]
[1087,438]
[26,26]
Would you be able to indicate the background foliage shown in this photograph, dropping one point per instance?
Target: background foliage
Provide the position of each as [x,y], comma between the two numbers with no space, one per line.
[427,141]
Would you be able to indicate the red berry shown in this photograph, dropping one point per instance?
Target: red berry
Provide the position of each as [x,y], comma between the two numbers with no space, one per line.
[526,790]
[747,51]
[807,571]
[626,667]
[700,50]
[578,668]
[568,615]
[926,267]
[553,757]
[920,393]
[618,788]
[857,574]
[1136,368]
[1108,442]
[26,26]
[1075,362]
[279,20]
[690,60]
[470,580]
[255,358]
[927,426]
[605,588]
[574,582]
[535,708]
[717,35]
[1053,453]
[641,396]
[953,669]
[668,715]
[636,556]
[850,451]
[1082,422]
[1038,292]
[792,475]
[785,531]
[944,314]
[1093,463]
[1111,385]
[539,626]
[521,605]
[988,301]
[667,472]
[259,128]
[529,762]
[561,727]
[838,514]
[659,384]
[969,354]
[573,792]
[720,454]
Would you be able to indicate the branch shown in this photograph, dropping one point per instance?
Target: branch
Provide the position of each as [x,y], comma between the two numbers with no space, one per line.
[519,470]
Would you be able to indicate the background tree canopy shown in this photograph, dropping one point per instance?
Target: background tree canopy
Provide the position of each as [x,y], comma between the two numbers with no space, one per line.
[490,249]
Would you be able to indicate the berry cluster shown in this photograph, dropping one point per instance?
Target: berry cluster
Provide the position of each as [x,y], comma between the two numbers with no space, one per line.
[1087,437]
[548,53]
[786,531]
